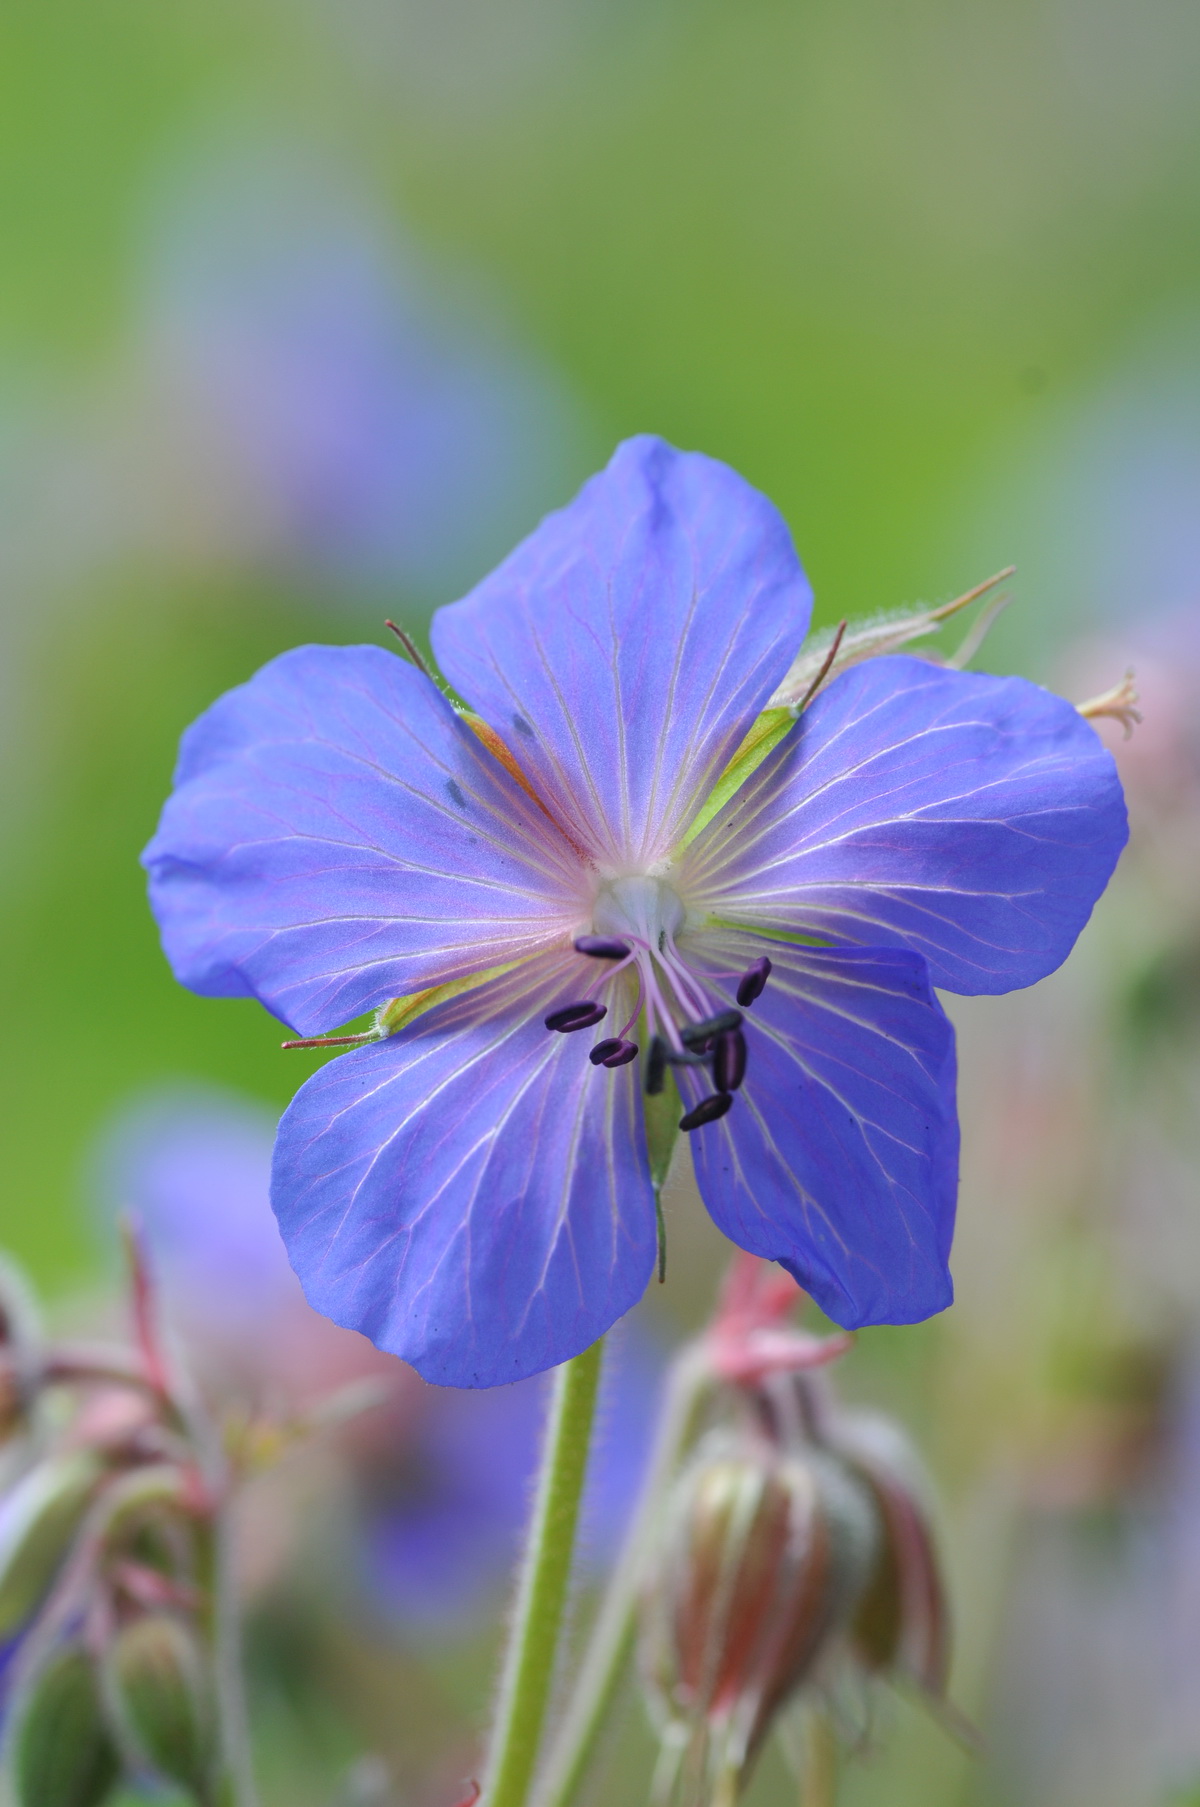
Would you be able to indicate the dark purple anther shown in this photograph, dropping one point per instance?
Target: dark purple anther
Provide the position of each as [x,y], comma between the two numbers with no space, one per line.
[602,947]
[656,1065]
[707,1111]
[753,981]
[622,1054]
[692,1034]
[729,1061]
[574,1016]
[604,1048]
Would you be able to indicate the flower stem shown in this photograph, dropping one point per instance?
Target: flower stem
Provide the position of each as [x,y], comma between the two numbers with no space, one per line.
[612,1634]
[542,1591]
[238,1786]
[821,1764]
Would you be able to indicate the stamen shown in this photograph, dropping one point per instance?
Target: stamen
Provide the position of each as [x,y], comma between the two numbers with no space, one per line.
[656,1065]
[753,981]
[602,947]
[692,1034]
[729,1061]
[623,1031]
[604,1048]
[685,982]
[575,1016]
[622,1054]
[707,1111]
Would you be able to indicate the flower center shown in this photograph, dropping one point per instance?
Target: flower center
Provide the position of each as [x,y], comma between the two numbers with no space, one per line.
[644,910]
[634,924]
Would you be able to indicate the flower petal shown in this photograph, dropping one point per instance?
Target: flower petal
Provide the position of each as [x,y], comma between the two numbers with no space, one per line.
[338,836]
[974,819]
[626,646]
[473,1195]
[839,1157]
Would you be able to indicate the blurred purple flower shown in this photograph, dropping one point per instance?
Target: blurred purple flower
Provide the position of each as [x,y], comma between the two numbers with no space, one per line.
[442,1528]
[474,1192]
[193,1163]
[363,418]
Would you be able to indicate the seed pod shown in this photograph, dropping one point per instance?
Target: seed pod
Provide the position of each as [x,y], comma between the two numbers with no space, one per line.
[764,1555]
[62,1754]
[38,1519]
[161,1697]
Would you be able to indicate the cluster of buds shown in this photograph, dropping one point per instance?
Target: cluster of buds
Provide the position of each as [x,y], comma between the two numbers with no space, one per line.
[795,1556]
[113,1487]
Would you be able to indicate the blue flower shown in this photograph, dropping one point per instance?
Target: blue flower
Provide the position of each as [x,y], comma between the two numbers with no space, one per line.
[474,1192]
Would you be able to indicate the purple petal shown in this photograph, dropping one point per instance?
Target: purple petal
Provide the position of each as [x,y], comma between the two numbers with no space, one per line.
[974,819]
[338,836]
[839,1157]
[625,648]
[473,1194]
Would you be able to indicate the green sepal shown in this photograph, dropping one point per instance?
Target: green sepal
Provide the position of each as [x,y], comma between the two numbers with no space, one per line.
[795,937]
[663,1111]
[62,1754]
[397,1013]
[160,1690]
[765,735]
[42,1514]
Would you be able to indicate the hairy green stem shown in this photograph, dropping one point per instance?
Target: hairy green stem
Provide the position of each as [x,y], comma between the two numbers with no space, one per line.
[238,1787]
[609,1644]
[542,1591]
[820,1788]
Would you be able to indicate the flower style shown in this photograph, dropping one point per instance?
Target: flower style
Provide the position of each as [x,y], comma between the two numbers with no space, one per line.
[556,922]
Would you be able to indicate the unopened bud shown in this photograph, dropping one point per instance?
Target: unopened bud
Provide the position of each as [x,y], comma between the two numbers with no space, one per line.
[161,1697]
[38,1519]
[13,1396]
[902,1622]
[765,1554]
[62,1754]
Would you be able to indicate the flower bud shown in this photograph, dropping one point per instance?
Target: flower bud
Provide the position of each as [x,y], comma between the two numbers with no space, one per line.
[159,1689]
[901,1625]
[765,1553]
[61,1752]
[38,1519]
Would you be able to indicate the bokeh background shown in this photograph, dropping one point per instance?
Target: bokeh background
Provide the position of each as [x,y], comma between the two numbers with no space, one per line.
[309,309]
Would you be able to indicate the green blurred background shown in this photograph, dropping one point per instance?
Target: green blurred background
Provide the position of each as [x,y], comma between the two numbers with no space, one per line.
[310,308]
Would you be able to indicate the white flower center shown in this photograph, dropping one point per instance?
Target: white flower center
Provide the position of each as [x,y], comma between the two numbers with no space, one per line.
[646,909]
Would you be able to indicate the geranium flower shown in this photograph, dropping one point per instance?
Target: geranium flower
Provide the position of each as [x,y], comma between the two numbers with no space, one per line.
[543,889]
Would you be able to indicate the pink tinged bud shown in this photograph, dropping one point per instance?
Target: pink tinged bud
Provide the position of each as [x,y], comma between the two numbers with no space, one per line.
[764,1558]
[13,1398]
[902,1624]
[159,1688]
[38,1520]
[61,1751]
